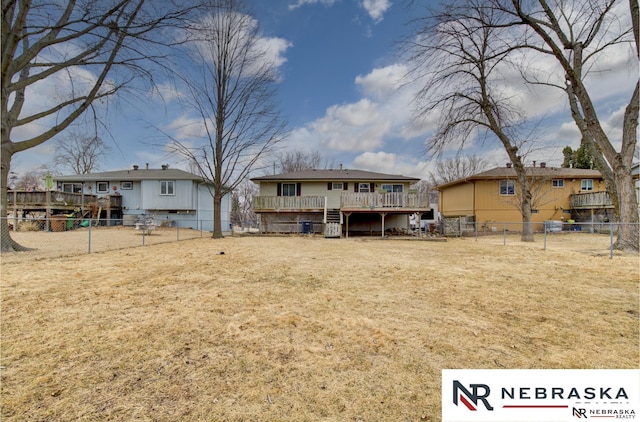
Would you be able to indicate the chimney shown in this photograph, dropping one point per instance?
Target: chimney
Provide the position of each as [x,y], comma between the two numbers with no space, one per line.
[340,166]
[135,167]
[165,166]
[508,165]
[147,166]
[534,163]
[543,164]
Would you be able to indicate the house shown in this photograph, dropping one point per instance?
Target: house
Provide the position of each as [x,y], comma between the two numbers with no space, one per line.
[334,202]
[558,194]
[170,195]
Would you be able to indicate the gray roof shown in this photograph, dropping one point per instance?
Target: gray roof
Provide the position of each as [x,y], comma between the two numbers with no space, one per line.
[334,175]
[510,172]
[130,175]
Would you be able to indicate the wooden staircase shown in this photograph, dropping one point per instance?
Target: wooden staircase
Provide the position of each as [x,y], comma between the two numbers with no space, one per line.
[333,215]
[333,227]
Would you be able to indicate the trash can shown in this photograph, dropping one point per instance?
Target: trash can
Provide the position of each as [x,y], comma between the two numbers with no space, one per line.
[307,227]
[58,223]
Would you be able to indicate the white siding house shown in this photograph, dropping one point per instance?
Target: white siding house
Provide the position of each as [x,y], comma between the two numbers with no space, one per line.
[172,196]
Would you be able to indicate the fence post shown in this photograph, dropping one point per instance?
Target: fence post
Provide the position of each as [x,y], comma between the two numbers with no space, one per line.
[545,236]
[504,234]
[89,240]
[177,229]
[610,240]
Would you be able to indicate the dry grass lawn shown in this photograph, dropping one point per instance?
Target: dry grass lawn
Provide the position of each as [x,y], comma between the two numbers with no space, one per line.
[300,328]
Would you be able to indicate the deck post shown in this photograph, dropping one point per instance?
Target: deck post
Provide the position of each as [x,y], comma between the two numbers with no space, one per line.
[347,225]
[47,223]
[383,215]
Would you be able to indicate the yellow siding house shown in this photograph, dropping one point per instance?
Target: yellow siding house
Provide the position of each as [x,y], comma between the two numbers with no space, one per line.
[558,194]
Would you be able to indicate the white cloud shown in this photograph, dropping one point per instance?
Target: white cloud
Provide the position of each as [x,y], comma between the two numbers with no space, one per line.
[184,127]
[269,51]
[382,83]
[303,2]
[380,161]
[351,127]
[166,91]
[376,8]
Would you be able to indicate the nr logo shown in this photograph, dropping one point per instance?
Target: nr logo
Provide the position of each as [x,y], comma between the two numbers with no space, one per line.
[580,413]
[479,392]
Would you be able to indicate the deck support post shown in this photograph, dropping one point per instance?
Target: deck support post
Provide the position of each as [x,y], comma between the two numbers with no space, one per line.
[347,214]
[383,215]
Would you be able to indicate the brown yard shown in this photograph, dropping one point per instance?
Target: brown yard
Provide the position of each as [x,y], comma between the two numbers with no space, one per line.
[301,328]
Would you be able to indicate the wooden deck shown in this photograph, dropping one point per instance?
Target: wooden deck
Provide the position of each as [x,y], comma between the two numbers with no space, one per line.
[590,200]
[349,202]
[385,202]
[58,202]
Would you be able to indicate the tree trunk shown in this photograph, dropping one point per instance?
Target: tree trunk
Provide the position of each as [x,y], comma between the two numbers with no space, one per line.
[526,198]
[7,243]
[217,216]
[628,232]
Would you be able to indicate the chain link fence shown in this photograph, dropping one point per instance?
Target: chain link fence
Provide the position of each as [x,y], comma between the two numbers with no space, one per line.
[593,238]
[64,236]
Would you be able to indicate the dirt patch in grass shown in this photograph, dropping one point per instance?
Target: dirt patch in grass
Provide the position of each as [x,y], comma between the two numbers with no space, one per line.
[300,328]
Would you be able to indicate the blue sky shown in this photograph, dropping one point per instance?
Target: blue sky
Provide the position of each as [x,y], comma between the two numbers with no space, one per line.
[342,95]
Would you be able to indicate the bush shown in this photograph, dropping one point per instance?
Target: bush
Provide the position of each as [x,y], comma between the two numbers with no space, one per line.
[29,226]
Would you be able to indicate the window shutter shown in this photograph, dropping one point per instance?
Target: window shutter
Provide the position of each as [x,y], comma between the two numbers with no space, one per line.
[298,189]
[279,189]
[355,187]
[345,186]
[329,186]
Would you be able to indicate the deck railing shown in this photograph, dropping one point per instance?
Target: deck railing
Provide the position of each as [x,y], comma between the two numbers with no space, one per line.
[347,201]
[23,198]
[590,200]
[384,200]
[273,203]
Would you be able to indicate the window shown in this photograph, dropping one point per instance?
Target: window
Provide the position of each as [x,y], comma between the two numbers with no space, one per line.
[363,187]
[102,187]
[126,185]
[167,187]
[72,187]
[586,184]
[557,183]
[507,187]
[337,186]
[288,189]
[392,188]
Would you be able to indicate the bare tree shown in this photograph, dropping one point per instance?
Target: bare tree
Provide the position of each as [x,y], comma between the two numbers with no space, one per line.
[459,54]
[242,204]
[296,160]
[230,87]
[80,153]
[33,179]
[88,49]
[577,35]
[456,168]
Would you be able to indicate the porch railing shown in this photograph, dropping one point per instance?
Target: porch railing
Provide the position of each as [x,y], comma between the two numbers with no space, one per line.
[384,200]
[273,203]
[590,200]
[23,198]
